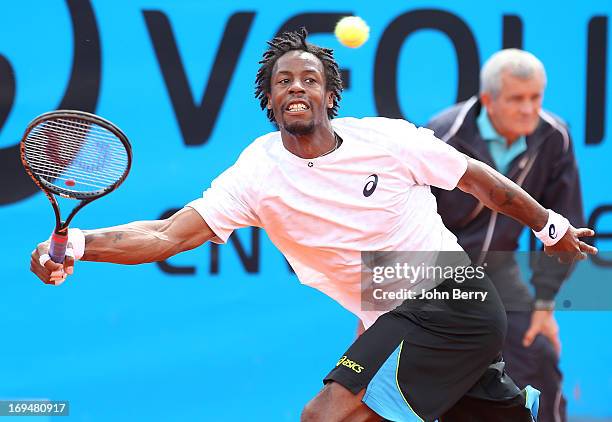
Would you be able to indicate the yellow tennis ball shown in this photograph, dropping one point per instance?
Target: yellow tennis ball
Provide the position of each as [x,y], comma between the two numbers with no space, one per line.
[352,31]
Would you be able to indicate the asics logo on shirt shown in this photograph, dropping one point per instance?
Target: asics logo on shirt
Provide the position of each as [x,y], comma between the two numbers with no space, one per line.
[370,186]
[552,233]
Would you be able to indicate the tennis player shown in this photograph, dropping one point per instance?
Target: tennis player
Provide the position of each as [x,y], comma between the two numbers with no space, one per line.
[324,190]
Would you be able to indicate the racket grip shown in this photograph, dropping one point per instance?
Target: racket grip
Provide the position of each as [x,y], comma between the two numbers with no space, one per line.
[57,249]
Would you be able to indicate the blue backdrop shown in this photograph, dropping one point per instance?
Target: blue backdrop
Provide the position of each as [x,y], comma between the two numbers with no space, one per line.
[227,333]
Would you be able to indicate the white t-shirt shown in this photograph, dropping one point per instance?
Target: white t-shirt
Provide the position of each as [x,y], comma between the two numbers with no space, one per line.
[371,194]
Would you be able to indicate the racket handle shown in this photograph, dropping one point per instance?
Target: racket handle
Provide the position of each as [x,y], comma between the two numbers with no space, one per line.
[57,249]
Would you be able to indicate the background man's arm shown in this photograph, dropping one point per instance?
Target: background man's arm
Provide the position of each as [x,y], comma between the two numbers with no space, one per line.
[563,195]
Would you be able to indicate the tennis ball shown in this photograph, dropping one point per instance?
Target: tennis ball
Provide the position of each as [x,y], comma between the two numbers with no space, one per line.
[352,31]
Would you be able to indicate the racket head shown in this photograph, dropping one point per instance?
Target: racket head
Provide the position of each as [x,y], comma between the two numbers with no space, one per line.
[75,154]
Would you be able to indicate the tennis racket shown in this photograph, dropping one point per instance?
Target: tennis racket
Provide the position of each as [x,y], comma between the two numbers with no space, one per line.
[74,155]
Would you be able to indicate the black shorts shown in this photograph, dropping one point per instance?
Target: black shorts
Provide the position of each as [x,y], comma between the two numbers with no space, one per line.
[418,361]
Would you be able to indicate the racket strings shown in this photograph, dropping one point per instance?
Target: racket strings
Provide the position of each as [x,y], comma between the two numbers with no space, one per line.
[45,169]
[54,173]
[88,159]
[74,127]
[66,133]
[114,163]
[75,174]
[52,177]
[82,154]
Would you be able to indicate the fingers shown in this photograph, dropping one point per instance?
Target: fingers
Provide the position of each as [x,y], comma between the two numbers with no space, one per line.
[564,257]
[46,270]
[529,336]
[585,232]
[55,273]
[572,249]
[53,266]
[54,276]
[551,332]
[556,343]
[585,247]
[58,272]
[582,252]
[38,270]
[542,322]
[69,262]
[571,257]
[553,337]
[534,329]
[57,277]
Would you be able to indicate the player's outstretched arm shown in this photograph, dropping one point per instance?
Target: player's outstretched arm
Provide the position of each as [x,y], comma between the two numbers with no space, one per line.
[133,243]
[147,241]
[501,194]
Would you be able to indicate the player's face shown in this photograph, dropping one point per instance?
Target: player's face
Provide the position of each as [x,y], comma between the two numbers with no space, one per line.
[298,96]
[515,111]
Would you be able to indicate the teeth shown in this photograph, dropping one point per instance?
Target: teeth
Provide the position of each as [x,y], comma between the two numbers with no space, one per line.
[297,107]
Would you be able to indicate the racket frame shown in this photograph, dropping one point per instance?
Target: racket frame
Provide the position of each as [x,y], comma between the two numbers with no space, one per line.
[60,234]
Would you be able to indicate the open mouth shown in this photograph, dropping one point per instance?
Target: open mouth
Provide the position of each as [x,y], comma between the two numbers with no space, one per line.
[297,107]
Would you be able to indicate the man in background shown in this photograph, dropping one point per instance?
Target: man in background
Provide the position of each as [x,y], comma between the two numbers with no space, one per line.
[506,128]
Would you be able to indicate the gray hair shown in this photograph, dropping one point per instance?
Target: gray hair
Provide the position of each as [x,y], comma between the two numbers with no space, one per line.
[519,63]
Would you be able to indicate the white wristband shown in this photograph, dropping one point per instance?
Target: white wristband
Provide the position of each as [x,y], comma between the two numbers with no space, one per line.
[77,240]
[554,230]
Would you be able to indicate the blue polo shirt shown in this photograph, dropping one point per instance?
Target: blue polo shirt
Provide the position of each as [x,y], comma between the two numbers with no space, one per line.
[501,153]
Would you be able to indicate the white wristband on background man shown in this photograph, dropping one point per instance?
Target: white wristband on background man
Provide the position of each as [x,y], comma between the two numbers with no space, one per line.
[554,230]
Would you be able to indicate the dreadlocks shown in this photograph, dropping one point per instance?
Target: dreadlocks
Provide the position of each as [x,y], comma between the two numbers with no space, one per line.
[296,40]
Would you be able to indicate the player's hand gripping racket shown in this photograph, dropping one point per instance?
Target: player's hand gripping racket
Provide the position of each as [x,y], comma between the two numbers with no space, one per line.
[75,155]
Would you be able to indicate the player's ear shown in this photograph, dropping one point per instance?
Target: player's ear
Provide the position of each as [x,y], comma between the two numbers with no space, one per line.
[330,100]
[269,105]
